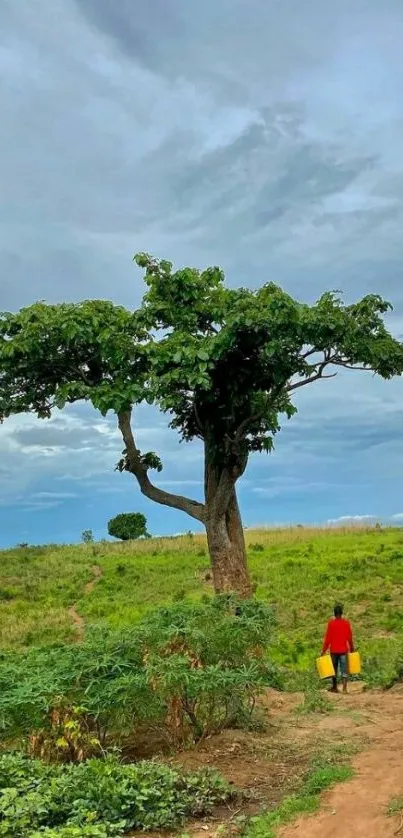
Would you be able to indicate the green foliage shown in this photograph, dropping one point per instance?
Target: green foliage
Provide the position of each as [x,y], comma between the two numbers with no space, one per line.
[184,670]
[41,583]
[208,662]
[128,526]
[101,794]
[93,831]
[87,537]
[384,661]
[395,806]
[239,349]
[222,362]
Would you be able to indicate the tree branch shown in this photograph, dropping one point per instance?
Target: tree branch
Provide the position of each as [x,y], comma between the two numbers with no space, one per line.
[309,380]
[139,470]
[242,428]
[329,359]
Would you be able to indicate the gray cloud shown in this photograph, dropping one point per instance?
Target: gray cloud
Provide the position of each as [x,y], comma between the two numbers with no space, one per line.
[265,137]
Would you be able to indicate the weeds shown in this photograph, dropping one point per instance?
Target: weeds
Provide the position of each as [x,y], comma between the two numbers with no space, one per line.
[395,806]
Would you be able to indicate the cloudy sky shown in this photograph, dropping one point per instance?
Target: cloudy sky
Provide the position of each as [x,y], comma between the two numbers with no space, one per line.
[262,135]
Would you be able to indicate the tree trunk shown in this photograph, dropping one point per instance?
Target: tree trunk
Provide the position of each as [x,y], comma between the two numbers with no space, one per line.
[226,544]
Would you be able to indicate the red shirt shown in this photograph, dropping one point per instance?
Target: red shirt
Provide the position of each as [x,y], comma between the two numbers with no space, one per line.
[338,637]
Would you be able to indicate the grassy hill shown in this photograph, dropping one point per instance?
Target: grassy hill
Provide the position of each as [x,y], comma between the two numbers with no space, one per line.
[123,692]
[50,593]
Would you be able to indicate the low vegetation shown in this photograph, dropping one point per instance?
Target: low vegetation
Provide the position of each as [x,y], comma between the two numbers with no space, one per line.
[300,572]
[183,673]
[162,664]
[104,796]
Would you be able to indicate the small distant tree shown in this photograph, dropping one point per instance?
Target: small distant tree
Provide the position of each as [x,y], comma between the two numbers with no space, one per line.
[128,526]
[87,536]
[223,363]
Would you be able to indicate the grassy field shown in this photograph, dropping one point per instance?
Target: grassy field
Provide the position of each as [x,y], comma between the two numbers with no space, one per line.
[300,571]
[51,594]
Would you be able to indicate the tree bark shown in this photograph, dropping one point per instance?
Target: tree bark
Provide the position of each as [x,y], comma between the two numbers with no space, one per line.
[220,512]
[225,536]
[226,544]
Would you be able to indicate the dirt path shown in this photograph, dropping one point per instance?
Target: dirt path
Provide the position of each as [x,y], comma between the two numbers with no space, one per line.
[268,767]
[97,575]
[358,808]
[78,620]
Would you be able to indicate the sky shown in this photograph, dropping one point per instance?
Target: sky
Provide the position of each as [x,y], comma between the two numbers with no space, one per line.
[264,136]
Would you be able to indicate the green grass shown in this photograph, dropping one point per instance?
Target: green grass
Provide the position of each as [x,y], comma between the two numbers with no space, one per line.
[300,571]
[395,806]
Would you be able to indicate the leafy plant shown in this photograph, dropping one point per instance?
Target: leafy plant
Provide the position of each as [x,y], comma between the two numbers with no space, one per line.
[224,363]
[93,831]
[70,735]
[87,536]
[128,526]
[101,795]
[185,671]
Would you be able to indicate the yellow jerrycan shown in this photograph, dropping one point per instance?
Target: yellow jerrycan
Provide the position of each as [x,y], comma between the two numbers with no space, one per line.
[325,667]
[354,663]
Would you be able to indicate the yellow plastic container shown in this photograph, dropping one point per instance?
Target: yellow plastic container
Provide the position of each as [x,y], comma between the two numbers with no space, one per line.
[354,663]
[325,667]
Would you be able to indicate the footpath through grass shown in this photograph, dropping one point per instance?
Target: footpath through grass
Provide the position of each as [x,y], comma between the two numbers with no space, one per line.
[322,776]
[300,571]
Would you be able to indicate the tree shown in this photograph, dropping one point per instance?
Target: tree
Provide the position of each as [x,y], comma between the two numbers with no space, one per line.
[128,526]
[223,364]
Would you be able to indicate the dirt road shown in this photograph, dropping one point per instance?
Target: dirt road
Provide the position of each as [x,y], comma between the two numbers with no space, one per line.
[358,808]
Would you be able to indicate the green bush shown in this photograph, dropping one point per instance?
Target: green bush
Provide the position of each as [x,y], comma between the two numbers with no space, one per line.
[101,793]
[104,677]
[383,662]
[208,661]
[128,526]
[185,671]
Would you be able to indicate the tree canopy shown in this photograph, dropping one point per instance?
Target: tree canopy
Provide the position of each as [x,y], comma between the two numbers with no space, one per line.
[128,526]
[223,363]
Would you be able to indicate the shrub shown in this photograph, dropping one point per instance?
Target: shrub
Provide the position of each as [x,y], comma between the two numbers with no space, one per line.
[185,671]
[69,737]
[104,677]
[207,662]
[383,661]
[101,794]
[128,526]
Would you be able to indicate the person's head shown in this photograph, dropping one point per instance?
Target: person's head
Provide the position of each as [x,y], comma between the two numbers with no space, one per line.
[338,611]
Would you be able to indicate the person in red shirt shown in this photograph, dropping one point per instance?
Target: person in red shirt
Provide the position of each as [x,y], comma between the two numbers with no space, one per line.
[339,640]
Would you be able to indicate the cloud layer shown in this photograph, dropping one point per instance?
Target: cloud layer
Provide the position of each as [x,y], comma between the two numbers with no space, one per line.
[265,137]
